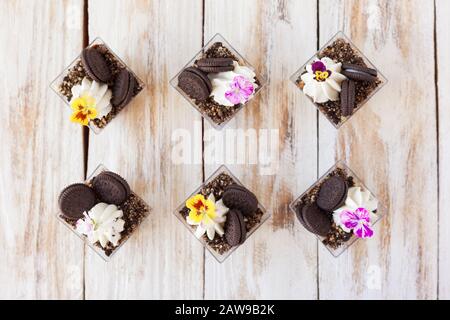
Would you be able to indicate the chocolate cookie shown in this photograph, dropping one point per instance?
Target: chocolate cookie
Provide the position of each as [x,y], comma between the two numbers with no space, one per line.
[299,215]
[239,197]
[76,199]
[349,66]
[195,83]
[123,88]
[111,188]
[315,220]
[348,95]
[95,65]
[235,230]
[332,194]
[358,73]
[214,65]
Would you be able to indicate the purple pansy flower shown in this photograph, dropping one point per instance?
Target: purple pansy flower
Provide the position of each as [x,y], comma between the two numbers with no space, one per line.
[320,71]
[241,90]
[358,221]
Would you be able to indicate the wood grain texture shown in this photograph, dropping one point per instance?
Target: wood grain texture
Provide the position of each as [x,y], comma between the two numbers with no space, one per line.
[391,145]
[40,259]
[162,260]
[279,260]
[443,78]
[394,145]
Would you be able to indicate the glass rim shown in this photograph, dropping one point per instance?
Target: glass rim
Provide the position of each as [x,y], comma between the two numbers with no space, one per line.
[220,257]
[97,249]
[340,34]
[55,82]
[262,79]
[380,214]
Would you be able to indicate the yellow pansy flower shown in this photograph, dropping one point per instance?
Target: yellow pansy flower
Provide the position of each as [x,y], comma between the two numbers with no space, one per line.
[200,208]
[83,110]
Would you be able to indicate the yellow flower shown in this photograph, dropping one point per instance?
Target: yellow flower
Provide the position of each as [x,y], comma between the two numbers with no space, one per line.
[83,110]
[201,209]
[322,76]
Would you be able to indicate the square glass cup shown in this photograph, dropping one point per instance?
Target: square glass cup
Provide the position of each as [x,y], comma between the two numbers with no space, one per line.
[340,35]
[380,212]
[55,84]
[97,248]
[219,257]
[242,61]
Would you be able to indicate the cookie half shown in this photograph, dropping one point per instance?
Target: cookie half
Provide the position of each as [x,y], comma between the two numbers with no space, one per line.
[357,67]
[111,189]
[348,96]
[123,88]
[359,73]
[195,83]
[315,220]
[95,65]
[239,197]
[332,193]
[76,199]
[235,230]
[215,65]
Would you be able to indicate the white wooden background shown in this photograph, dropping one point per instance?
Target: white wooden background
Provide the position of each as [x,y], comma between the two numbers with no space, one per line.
[399,145]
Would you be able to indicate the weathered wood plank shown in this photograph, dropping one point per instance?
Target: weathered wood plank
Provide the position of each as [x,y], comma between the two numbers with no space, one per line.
[162,260]
[391,144]
[279,260]
[443,78]
[41,151]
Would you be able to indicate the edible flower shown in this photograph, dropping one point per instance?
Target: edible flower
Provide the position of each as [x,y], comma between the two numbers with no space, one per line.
[358,221]
[103,223]
[241,90]
[322,80]
[234,87]
[357,213]
[90,100]
[207,214]
[83,110]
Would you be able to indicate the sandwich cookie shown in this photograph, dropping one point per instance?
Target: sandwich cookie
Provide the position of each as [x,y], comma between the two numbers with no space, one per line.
[123,88]
[111,188]
[95,65]
[239,197]
[314,219]
[195,83]
[76,199]
[359,73]
[348,95]
[332,194]
[215,65]
[235,230]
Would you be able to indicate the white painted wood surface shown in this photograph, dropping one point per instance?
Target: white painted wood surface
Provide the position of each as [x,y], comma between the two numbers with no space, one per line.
[279,260]
[443,80]
[393,145]
[40,259]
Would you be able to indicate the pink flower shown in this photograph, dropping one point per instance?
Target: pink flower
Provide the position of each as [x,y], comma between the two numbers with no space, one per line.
[358,221]
[241,90]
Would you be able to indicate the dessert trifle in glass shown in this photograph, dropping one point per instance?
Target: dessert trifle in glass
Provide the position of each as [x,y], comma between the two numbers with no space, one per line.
[222,213]
[103,211]
[96,86]
[339,79]
[218,82]
[339,209]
